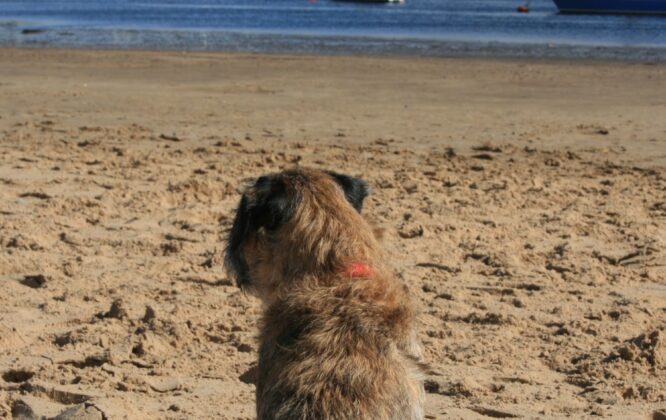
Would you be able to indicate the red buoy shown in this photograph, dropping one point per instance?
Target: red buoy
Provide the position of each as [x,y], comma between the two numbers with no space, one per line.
[523,8]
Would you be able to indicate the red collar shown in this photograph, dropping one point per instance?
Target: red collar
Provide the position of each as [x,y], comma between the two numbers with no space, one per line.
[359,270]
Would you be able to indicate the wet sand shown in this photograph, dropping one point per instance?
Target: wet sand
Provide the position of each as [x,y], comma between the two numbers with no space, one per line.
[523,202]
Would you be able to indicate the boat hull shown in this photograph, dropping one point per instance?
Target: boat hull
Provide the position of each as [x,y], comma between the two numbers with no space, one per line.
[374,1]
[646,7]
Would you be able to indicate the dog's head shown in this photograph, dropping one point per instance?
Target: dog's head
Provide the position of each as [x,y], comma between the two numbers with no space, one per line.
[292,223]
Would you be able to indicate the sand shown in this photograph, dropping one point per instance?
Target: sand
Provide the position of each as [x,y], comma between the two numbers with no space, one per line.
[523,203]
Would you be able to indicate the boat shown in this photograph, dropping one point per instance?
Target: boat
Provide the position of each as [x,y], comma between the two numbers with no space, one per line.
[643,7]
[374,1]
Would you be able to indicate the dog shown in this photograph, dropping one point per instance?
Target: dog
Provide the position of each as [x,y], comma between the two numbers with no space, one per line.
[337,337]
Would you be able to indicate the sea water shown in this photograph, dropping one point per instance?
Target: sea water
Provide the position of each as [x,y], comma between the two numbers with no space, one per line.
[415,27]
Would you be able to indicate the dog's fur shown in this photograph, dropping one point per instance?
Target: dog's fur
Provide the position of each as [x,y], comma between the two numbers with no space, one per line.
[333,345]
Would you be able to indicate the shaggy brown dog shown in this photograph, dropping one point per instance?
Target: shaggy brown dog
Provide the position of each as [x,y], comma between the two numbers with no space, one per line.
[337,337]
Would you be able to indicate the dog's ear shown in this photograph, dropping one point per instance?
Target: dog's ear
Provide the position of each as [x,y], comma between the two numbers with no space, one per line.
[355,189]
[233,258]
[267,205]
[272,206]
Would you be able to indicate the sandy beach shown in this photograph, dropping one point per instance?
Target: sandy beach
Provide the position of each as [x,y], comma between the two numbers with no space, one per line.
[523,204]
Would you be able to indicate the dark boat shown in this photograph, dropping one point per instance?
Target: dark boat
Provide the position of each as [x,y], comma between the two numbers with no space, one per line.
[374,1]
[643,7]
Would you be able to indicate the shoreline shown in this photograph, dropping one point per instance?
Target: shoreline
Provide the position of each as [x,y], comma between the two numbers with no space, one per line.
[221,41]
[635,59]
[342,55]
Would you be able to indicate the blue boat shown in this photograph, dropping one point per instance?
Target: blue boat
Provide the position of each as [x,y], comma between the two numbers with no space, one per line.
[643,7]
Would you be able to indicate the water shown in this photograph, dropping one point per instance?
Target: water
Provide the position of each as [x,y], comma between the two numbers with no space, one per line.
[417,27]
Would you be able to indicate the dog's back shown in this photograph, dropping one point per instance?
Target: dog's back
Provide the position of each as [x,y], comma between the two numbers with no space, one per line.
[341,351]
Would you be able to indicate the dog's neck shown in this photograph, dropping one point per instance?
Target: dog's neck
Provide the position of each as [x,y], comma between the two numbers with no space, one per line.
[359,270]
